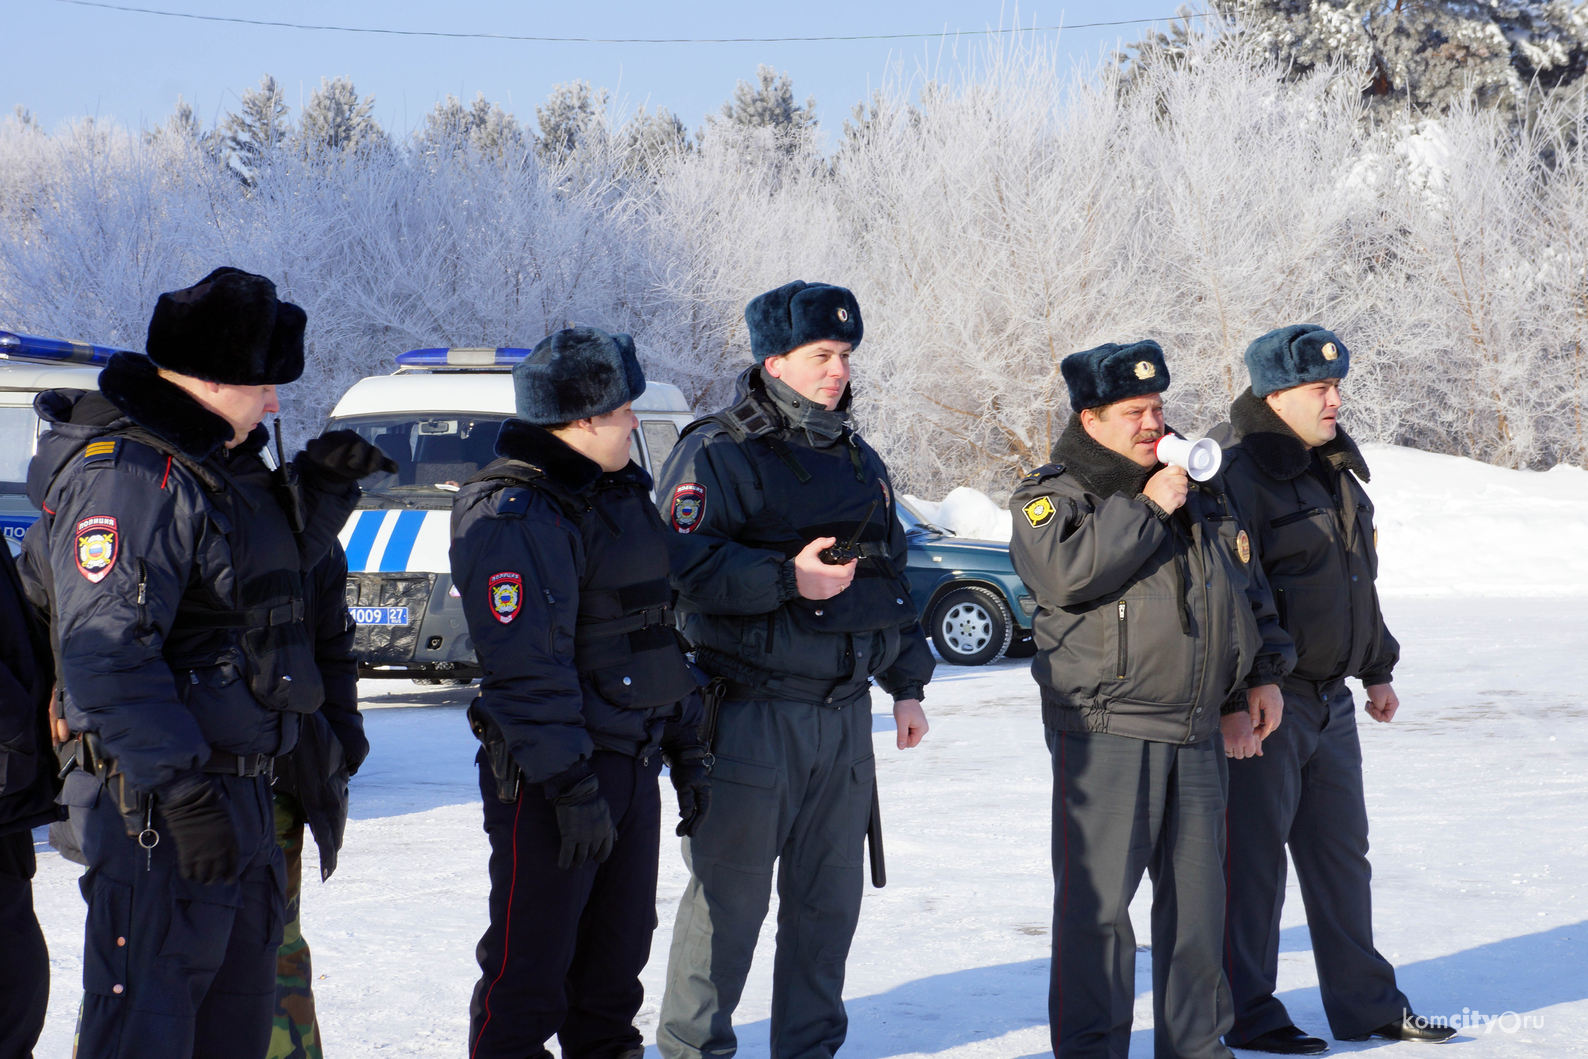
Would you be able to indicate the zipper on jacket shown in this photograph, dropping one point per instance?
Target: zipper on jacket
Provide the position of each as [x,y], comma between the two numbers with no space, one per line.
[1284,611]
[143,594]
[1124,649]
[1294,516]
[771,624]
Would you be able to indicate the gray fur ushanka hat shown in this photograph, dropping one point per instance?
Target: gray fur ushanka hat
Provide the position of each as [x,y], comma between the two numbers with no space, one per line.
[576,373]
[799,313]
[1113,372]
[1294,356]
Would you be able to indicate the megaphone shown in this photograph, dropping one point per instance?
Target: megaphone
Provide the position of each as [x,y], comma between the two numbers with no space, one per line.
[1201,459]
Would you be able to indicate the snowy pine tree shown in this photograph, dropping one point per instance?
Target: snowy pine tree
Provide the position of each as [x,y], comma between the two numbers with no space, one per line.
[650,140]
[336,119]
[767,104]
[261,128]
[573,119]
[484,126]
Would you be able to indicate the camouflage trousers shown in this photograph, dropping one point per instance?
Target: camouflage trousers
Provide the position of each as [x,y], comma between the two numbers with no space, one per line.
[296,1032]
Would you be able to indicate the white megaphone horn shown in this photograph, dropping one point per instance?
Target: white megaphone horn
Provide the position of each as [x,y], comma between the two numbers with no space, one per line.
[1201,459]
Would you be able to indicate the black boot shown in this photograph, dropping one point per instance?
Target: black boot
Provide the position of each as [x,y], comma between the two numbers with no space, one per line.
[1287,1040]
[1411,1027]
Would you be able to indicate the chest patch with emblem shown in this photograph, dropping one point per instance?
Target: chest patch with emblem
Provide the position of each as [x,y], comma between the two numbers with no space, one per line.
[689,504]
[97,545]
[1243,546]
[507,595]
[1039,512]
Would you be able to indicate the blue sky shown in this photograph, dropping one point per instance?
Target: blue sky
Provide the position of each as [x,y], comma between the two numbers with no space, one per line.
[64,60]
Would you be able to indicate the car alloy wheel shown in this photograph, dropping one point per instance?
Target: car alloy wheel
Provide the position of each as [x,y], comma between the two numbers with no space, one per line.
[971,626]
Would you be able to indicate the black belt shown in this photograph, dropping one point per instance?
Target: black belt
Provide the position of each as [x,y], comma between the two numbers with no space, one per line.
[257,618]
[223,764]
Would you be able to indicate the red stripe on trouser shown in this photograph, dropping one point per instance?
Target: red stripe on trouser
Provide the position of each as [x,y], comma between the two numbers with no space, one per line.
[507,932]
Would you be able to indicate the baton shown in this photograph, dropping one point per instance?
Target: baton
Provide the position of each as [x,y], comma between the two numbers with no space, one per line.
[879,865]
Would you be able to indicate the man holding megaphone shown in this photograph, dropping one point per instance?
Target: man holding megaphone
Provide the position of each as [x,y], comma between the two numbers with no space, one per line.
[1298,477]
[1153,622]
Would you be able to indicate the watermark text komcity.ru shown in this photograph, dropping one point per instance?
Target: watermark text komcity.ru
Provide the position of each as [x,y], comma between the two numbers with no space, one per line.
[1473,1019]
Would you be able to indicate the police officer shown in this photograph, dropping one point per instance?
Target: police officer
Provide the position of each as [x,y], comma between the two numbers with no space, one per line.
[1151,622]
[1298,477]
[175,565]
[27,799]
[755,493]
[311,789]
[561,559]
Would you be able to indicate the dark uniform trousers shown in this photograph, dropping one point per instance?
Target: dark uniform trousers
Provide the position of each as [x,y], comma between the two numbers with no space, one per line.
[25,963]
[173,968]
[1306,790]
[791,785]
[565,947]
[1121,806]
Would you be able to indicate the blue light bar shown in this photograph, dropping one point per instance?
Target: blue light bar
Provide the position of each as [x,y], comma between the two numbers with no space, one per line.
[52,350]
[501,357]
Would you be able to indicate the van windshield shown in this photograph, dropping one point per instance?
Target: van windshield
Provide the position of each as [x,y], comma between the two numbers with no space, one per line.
[17,429]
[435,452]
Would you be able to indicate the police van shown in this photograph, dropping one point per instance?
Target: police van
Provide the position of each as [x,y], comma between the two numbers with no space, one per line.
[29,365]
[437,417]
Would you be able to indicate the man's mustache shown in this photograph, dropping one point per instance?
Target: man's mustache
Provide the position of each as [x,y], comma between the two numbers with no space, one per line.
[1146,436]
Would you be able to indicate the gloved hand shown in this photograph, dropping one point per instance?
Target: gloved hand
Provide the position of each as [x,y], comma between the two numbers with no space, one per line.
[582,816]
[342,457]
[193,810]
[692,780]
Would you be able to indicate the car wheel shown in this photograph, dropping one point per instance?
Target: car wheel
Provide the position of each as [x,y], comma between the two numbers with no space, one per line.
[971,626]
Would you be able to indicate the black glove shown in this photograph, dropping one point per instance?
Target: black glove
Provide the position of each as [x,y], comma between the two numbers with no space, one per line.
[194,811]
[582,816]
[342,458]
[692,780]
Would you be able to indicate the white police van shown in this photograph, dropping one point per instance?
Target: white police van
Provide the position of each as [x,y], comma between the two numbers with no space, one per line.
[438,418]
[29,365]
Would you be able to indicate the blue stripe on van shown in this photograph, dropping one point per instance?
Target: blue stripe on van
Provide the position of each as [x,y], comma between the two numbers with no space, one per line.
[363,538]
[401,543]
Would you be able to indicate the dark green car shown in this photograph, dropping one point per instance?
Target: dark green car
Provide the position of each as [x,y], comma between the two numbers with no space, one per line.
[973,604]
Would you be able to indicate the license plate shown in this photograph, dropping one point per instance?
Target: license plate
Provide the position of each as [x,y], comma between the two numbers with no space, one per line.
[380,615]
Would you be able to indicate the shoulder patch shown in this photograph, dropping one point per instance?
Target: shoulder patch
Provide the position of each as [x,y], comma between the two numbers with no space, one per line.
[506,591]
[97,546]
[688,507]
[1047,470]
[1039,512]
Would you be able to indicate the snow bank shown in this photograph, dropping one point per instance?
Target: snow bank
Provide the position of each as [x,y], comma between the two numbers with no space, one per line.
[1448,526]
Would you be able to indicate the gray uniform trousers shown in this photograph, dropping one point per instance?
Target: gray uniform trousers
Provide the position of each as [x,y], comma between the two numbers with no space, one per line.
[1306,790]
[791,783]
[1121,806]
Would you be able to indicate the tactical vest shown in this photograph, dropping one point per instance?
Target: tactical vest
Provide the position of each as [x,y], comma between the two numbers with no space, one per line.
[625,644]
[837,485]
[267,636]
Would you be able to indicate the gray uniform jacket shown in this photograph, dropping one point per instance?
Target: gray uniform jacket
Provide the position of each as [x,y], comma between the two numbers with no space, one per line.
[741,512]
[1312,532]
[1147,625]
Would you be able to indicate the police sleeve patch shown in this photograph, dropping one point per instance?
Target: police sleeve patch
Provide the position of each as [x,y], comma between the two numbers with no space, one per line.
[506,592]
[1039,512]
[688,506]
[97,542]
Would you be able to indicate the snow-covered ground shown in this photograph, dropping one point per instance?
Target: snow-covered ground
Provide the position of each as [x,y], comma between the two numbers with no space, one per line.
[1477,796]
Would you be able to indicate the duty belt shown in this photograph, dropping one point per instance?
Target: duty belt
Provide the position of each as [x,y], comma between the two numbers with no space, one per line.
[752,682]
[256,618]
[223,764]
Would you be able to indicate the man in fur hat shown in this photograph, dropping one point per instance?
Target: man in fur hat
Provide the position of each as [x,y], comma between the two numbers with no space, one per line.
[754,494]
[1298,477]
[562,562]
[173,561]
[1152,622]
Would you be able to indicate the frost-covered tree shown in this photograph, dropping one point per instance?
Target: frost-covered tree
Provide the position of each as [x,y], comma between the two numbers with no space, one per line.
[767,104]
[335,118]
[486,127]
[1428,54]
[573,120]
[650,140]
[254,133]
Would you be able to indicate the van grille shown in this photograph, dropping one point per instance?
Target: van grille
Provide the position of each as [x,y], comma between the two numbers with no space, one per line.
[377,644]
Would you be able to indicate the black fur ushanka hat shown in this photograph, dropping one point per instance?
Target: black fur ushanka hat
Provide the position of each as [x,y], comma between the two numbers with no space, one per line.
[577,373]
[229,327]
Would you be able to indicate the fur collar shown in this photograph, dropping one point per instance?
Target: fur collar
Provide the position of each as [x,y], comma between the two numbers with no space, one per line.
[133,384]
[541,448]
[1276,448]
[1101,470]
